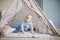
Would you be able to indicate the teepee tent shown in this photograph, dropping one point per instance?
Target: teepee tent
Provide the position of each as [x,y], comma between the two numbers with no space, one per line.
[20,8]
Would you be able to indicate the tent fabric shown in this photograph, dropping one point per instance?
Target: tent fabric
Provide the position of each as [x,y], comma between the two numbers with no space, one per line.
[9,14]
[20,8]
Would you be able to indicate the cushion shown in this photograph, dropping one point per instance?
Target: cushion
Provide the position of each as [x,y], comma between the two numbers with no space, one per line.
[8,29]
[26,35]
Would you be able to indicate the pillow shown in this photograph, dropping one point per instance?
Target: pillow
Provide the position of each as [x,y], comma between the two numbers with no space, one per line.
[8,29]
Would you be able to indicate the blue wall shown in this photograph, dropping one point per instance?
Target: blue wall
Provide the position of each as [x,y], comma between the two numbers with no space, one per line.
[52,10]
[40,2]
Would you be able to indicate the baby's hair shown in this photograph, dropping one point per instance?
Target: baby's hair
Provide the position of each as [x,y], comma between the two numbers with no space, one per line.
[28,15]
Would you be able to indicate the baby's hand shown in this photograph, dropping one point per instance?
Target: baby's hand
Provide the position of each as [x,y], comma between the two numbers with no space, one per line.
[33,33]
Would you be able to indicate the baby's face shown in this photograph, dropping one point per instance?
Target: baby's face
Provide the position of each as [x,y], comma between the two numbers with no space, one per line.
[29,18]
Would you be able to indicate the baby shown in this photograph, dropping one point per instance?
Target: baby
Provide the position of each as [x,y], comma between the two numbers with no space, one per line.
[27,25]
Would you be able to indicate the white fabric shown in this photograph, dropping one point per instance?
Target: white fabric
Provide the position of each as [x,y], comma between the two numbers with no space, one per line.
[54,27]
[8,30]
[26,34]
[18,35]
[9,14]
[40,35]
[34,7]
[6,20]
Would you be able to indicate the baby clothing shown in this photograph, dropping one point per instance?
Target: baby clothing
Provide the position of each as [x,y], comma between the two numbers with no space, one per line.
[24,26]
[27,26]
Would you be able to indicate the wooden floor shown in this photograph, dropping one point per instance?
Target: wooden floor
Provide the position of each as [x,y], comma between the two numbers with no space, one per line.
[45,38]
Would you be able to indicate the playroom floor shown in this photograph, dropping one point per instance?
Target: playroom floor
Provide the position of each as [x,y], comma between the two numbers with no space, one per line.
[52,38]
